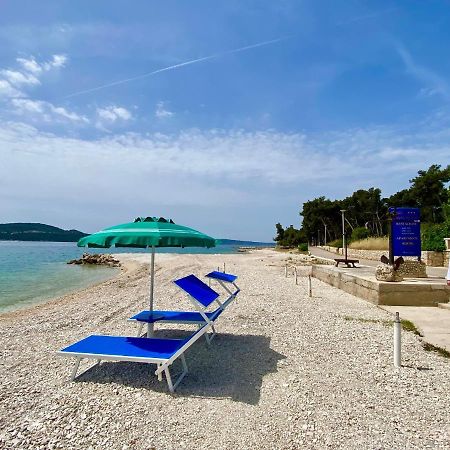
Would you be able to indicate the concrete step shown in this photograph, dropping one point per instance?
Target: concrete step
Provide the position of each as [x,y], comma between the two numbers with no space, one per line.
[444,305]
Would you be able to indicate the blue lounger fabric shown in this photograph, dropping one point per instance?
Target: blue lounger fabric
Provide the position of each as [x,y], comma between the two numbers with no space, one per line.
[197,289]
[175,316]
[222,276]
[126,346]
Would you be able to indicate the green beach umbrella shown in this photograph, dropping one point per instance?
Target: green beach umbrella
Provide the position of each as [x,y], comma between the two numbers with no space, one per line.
[148,232]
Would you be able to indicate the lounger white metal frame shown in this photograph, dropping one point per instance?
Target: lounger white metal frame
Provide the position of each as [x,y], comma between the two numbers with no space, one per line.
[163,364]
[202,310]
[224,286]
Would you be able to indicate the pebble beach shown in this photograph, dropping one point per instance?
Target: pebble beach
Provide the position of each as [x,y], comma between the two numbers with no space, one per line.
[286,371]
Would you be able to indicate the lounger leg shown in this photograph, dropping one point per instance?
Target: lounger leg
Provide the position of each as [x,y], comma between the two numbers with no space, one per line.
[159,373]
[169,379]
[75,369]
[211,336]
[183,361]
[141,325]
[183,374]
[225,287]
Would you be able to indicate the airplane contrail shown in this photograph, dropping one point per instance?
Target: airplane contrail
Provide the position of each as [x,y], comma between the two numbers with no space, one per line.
[176,66]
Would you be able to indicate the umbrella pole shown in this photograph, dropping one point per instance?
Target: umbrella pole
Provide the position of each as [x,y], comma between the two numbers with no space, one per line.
[152,283]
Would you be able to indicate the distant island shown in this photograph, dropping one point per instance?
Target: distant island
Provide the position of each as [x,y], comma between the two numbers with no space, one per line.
[37,232]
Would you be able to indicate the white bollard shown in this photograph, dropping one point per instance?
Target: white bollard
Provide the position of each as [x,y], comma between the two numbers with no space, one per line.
[448,273]
[285,271]
[397,341]
[309,286]
[295,274]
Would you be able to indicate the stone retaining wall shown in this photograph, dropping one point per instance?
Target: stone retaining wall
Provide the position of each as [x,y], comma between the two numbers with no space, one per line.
[422,293]
[435,259]
[446,258]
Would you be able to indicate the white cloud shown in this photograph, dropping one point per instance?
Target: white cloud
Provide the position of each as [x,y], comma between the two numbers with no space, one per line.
[31,65]
[27,105]
[60,111]
[19,78]
[45,111]
[13,82]
[7,91]
[58,61]
[257,176]
[162,112]
[113,113]
[265,157]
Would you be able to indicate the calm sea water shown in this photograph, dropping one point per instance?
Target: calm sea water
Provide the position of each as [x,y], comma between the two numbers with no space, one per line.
[31,272]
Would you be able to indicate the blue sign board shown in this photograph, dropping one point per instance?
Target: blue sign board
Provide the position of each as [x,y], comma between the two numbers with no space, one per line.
[406,231]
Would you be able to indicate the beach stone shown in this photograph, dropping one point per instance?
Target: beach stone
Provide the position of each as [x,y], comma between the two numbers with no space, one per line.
[97,259]
[384,272]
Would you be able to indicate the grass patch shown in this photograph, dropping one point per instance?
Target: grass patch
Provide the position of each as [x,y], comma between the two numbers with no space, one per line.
[406,324]
[362,320]
[372,243]
[432,348]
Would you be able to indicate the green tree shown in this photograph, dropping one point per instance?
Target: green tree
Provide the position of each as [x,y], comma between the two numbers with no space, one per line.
[402,198]
[319,212]
[429,190]
[280,233]
[366,208]
[289,237]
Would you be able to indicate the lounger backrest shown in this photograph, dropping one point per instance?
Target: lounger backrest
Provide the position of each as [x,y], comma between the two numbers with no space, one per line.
[197,289]
[228,277]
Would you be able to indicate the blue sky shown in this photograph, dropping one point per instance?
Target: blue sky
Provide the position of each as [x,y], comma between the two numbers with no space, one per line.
[330,97]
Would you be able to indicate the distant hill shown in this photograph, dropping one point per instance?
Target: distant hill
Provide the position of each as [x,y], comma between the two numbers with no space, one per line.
[246,243]
[37,232]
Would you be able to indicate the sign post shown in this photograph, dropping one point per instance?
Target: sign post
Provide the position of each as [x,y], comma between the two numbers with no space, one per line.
[404,239]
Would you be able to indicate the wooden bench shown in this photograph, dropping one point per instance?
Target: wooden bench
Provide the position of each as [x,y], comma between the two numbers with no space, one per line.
[348,262]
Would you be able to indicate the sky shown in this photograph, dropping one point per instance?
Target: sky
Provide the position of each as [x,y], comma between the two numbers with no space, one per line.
[224,116]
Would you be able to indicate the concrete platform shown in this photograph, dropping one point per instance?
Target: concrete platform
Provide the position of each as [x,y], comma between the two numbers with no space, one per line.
[361,282]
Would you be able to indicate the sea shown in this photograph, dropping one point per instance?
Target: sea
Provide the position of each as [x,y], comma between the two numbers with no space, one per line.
[32,272]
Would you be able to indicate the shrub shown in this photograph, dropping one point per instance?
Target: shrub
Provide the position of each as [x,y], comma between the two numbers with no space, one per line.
[303,247]
[360,233]
[336,243]
[433,236]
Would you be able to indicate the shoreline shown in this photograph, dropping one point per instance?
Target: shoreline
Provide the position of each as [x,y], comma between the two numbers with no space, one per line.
[129,262]
[44,303]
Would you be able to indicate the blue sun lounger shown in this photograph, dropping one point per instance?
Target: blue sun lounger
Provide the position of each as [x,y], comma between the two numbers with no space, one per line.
[201,295]
[162,352]
[225,279]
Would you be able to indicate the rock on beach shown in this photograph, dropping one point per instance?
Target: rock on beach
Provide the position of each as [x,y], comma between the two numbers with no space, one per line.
[103,259]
